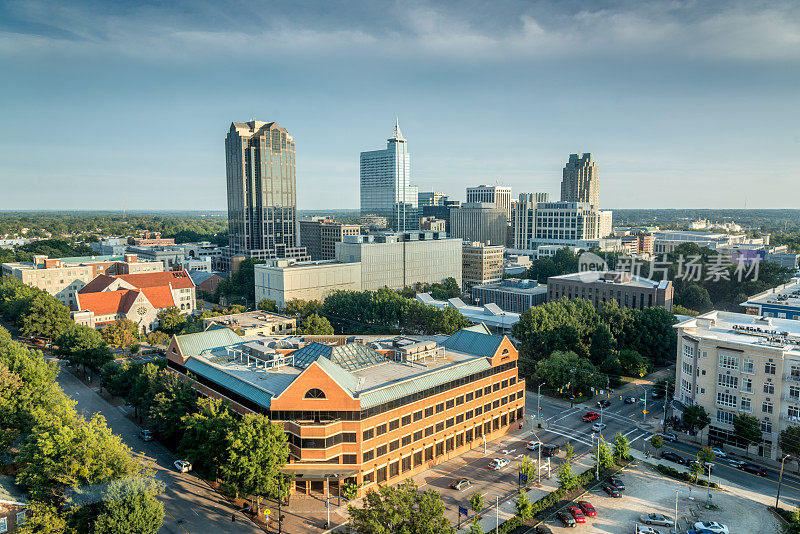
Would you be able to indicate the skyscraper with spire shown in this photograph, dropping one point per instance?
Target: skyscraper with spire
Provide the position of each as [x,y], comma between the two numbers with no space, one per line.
[386,189]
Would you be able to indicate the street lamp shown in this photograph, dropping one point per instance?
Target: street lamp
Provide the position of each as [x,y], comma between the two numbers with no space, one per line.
[538,406]
[780,481]
[496,511]
[676,510]
[708,490]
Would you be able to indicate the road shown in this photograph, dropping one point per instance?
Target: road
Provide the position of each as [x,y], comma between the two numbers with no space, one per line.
[191,506]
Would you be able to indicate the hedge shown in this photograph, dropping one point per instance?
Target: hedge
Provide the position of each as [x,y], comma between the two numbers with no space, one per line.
[682,475]
[793,518]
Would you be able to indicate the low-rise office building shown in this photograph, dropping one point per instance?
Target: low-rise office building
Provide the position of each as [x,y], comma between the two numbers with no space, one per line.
[286,280]
[630,291]
[512,294]
[372,413]
[320,234]
[734,363]
[782,302]
[64,277]
[480,221]
[482,264]
[432,224]
[255,323]
[489,315]
[398,260]
[666,241]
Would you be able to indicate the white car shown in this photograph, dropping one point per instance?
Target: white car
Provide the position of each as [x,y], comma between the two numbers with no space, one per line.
[719,453]
[713,526]
[656,519]
[182,466]
[597,427]
[533,445]
[498,463]
[641,529]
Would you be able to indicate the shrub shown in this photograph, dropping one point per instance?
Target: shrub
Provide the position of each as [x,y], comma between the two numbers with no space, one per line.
[681,475]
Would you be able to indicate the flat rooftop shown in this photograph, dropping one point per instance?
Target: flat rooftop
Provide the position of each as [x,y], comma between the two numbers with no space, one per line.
[70,262]
[781,334]
[522,289]
[785,295]
[591,277]
[252,319]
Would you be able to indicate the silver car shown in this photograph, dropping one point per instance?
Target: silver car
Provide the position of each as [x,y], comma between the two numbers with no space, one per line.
[656,519]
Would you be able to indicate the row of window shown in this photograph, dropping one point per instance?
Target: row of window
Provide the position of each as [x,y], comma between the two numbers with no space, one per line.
[727,418]
[726,399]
[321,443]
[727,361]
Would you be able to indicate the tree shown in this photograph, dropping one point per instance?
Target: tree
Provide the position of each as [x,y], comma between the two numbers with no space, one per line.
[43,518]
[657,442]
[157,338]
[633,364]
[567,368]
[603,344]
[171,320]
[257,450]
[695,468]
[622,448]
[121,333]
[566,476]
[170,406]
[475,526]
[268,305]
[45,317]
[350,490]
[705,455]
[400,509]
[83,346]
[316,325]
[603,455]
[524,506]
[130,505]
[205,436]
[747,428]
[789,441]
[527,467]
[695,416]
[569,451]
[694,297]
[476,502]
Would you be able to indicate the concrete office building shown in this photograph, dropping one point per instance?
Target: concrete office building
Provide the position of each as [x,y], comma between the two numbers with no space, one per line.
[386,189]
[581,181]
[630,291]
[782,302]
[734,363]
[431,198]
[666,241]
[361,412]
[432,224]
[559,223]
[254,323]
[785,259]
[64,277]
[511,295]
[482,264]
[493,194]
[479,221]
[397,260]
[286,280]
[319,236]
[442,212]
[262,195]
[524,221]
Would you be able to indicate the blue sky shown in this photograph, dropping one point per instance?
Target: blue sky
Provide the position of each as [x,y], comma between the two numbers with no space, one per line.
[683,104]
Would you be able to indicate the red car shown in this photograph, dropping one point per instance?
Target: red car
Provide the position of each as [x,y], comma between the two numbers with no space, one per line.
[590,416]
[587,508]
[577,514]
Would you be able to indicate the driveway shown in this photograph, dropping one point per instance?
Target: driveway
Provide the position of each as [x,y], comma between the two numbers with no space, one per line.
[191,506]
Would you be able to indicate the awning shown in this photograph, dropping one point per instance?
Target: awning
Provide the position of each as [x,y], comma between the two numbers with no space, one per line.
[305,472]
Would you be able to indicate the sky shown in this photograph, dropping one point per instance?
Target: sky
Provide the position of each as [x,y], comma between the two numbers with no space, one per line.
[123,104]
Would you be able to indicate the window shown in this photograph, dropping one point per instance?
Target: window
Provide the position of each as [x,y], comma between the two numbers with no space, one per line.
[794,392]
[469,397]
[349,459]
[769,368]
[406,464]
[429,411]
[368,434]
[406,420]
[487,390]
[687,368]
[439,449]
[394,469]
[496,404]
[745,406]
[3,524]
[439,426]
[459,439]
[407,440]
[369,477]
[394,445]
[520,394]
[417,458]
[459,400]
[793,413]
[459,418]
[380,430]
[748,366]
[394,424]
[504,385]
[450,422]
[478,393]
[727,361]
[470,414]
[766,407]
[440,407]
[468,435]
[726,399]
[487,406]
[429,453]
[769,388]
[381,475]
[418,435]
[728,381]
[315,393]
[380,451]
[496,386]
[478,410]
[747,385]
[448,444]
[368,456]
[766,425]
[450,404]
[418,416]
[429,431]
[724,417]
[688,351]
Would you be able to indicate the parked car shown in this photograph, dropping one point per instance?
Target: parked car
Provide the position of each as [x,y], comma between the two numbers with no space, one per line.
[577,514]
[641,529]
[672,457]
[566,519]
[699,531]
[543,529]
[719,453]
[713,526]
[460,484]
[667,436]
[617,483]
[182,466]
[533,445]
[146,435]
[605,403]
[550,450]
[656,519]
[735,463]
[753,469]
[612,491]
[598,427]
[630,400]
[498,463]
[587,508]
[590,416]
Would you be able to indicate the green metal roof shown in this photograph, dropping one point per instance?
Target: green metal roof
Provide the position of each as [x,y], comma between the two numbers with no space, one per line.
[194,344]
[91,259]
[421,382]
[218,376]
[345,379]
[474,342]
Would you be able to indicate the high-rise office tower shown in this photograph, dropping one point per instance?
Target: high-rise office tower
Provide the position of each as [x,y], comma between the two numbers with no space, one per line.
[262,196]
[498,195]
[386,189]
[581,182]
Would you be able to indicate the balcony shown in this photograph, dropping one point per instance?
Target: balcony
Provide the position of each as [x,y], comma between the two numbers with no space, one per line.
[792,377]
[790,418]
[791,398]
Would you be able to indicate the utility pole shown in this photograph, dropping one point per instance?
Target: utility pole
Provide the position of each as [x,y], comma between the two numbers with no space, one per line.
[780,481]
[538,405]
[496,511]
[708,491]
[676,509]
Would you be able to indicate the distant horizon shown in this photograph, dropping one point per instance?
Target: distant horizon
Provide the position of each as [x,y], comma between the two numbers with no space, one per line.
[224,211]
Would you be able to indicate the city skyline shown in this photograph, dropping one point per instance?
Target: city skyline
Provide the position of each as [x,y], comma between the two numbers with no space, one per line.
[670,97]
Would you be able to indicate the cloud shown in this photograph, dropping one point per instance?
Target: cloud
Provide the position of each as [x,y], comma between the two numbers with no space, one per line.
[474,32]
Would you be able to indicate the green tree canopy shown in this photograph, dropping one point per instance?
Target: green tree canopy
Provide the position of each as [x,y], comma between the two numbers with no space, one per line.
[695,416]
[121,333]
[171,320]
[747,428]
[563,369]
[622,447]
[566,476]
[205,436]
[84,346]
[316,325]
[46,317]
[268,305]
[400,509]
[130,505]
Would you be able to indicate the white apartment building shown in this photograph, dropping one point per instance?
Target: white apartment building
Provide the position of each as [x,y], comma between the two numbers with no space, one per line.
[537,221]
[733,363]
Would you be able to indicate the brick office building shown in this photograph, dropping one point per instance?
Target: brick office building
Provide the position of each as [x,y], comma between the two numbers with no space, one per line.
[375,410]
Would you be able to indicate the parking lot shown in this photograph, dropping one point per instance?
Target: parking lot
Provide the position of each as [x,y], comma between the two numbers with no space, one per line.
[647,491]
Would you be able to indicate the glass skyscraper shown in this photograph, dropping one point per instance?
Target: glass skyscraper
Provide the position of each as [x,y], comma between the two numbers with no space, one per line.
[386,189]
